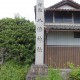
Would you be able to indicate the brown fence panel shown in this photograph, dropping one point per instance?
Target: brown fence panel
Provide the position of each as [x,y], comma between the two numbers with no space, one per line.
[60,56]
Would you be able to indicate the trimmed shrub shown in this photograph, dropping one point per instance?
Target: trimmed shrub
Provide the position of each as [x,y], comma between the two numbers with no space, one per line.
[17,36]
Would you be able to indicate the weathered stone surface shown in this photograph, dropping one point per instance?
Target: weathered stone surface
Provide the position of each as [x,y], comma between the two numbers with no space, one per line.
[37,70]
[42,71]
[65,74]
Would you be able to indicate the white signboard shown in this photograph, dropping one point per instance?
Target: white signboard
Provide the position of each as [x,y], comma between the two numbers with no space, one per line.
[39,56]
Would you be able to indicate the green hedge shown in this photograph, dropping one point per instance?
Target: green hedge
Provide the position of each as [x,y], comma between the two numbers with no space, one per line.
[17,36]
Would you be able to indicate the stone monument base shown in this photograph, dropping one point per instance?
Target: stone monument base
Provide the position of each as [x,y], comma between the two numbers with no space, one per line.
[42,71]
[37,70]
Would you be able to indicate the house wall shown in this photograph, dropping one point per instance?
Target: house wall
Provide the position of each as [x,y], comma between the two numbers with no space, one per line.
[62,48]
[62,38]
[59,57]
[66,7]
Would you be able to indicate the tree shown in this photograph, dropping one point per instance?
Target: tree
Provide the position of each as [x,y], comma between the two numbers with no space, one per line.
[17,36]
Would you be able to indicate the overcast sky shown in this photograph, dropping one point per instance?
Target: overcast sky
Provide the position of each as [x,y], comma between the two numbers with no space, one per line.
[8,8]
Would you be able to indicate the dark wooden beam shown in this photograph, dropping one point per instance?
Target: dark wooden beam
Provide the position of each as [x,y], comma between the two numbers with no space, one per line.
[49,30]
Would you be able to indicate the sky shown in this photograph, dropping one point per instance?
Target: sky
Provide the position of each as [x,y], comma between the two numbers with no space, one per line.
[25,8]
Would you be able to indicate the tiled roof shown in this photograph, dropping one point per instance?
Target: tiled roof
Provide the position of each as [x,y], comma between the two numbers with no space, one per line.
[63,2]
[61,27]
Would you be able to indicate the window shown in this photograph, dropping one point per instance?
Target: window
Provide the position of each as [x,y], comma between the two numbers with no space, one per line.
[76,34]
[58,17]
[49,17]
[67,17]
[76,17]
[63,17]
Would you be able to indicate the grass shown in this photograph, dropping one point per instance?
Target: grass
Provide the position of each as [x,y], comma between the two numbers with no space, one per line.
[52,75]
[13,71]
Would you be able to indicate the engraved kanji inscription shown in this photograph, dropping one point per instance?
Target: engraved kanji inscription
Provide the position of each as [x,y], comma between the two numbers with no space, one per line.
[39,20]
[39,49]
[39,29]
[39,58]
[39,10]
[39,4]
[39,38]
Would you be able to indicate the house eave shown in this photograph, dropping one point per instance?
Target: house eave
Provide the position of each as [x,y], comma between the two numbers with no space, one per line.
[61,27]
[74,10]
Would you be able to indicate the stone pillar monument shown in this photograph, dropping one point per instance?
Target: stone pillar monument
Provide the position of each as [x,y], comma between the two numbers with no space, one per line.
[39,68]
[39,55]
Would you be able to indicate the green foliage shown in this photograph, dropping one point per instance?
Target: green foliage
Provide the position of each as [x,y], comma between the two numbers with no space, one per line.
[17,36]
[41,78]
[53,74]
[13,71]
[75,73]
